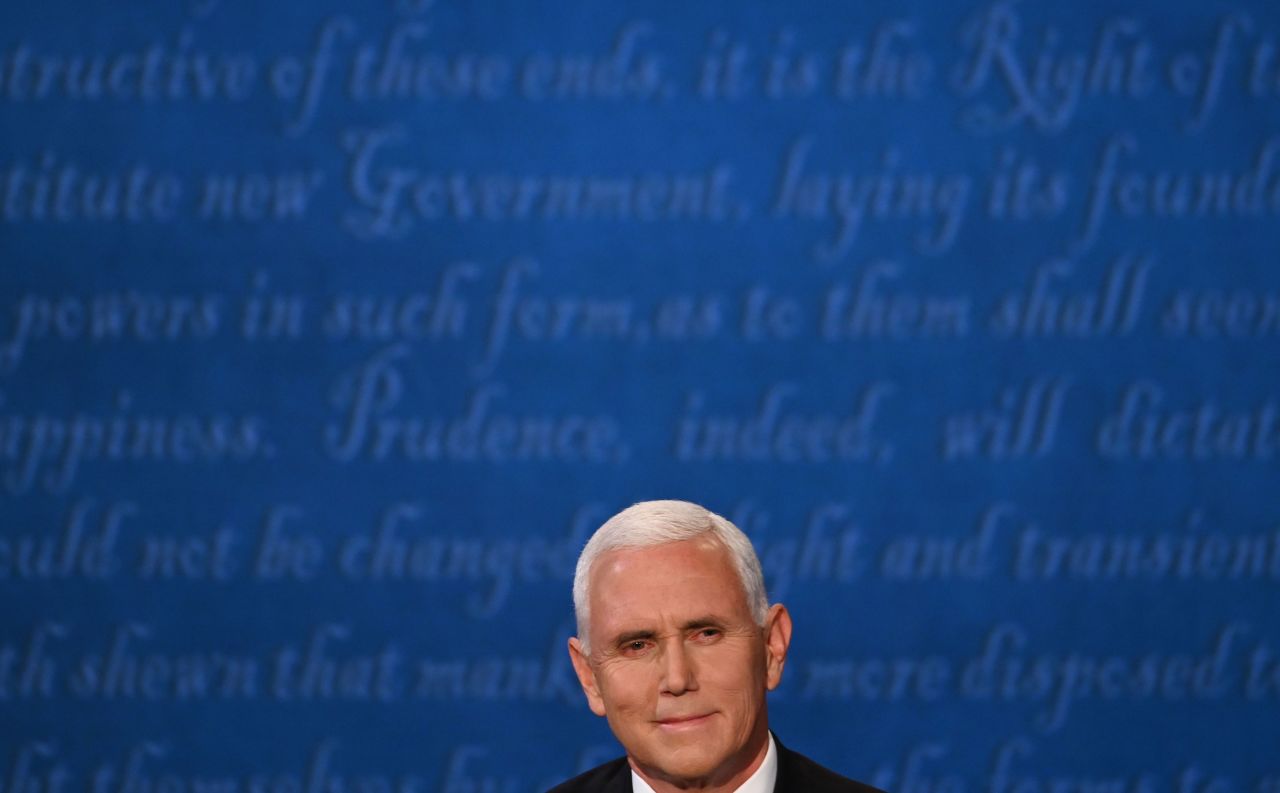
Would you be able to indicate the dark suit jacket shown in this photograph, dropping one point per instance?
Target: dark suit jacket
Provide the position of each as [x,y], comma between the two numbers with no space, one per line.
[796,774]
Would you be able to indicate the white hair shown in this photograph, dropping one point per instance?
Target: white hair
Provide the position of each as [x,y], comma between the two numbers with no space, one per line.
[651,523]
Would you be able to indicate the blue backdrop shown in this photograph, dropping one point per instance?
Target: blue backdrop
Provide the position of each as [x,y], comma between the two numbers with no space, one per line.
[329,331]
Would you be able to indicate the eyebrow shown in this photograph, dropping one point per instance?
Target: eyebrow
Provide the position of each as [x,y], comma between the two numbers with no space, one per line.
[706,621]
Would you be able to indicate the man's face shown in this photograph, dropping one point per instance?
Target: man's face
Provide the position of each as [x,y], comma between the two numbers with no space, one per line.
[677,664]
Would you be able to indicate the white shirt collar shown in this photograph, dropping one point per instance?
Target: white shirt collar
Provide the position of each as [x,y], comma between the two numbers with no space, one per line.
[762,781]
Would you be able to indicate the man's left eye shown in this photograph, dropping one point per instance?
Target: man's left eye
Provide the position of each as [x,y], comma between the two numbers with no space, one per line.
[708,633]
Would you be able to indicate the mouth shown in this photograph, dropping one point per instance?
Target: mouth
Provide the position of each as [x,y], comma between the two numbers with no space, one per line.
[684,722]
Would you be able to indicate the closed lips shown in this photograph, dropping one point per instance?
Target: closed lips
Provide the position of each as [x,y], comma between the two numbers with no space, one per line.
[676,720]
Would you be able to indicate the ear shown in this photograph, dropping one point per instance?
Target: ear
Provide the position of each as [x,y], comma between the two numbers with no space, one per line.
[777,638]
[586,676]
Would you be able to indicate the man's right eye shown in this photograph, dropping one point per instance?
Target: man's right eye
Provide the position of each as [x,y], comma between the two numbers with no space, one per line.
[635,647]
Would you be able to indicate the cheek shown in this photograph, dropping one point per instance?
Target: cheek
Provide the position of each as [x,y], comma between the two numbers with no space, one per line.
[736,667]
[629,687]
[738,678]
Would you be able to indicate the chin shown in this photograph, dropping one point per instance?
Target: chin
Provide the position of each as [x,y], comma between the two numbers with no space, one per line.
[691,761]
[691,769]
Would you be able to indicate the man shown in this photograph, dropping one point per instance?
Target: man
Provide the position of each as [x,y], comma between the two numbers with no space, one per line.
[676,647]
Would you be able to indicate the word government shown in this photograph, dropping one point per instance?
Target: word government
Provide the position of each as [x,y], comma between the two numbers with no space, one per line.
[392,199]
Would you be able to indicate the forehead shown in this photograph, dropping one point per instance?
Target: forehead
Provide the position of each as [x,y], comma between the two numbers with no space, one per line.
[689,577]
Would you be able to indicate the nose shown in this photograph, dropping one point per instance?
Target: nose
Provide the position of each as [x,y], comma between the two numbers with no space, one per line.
[677,670]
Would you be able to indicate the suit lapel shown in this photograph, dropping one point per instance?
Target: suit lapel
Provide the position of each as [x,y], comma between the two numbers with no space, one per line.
[620,782]
[787,781]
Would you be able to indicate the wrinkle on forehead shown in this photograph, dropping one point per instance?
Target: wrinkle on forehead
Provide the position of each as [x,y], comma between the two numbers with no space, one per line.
[656,588]
[624,557]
